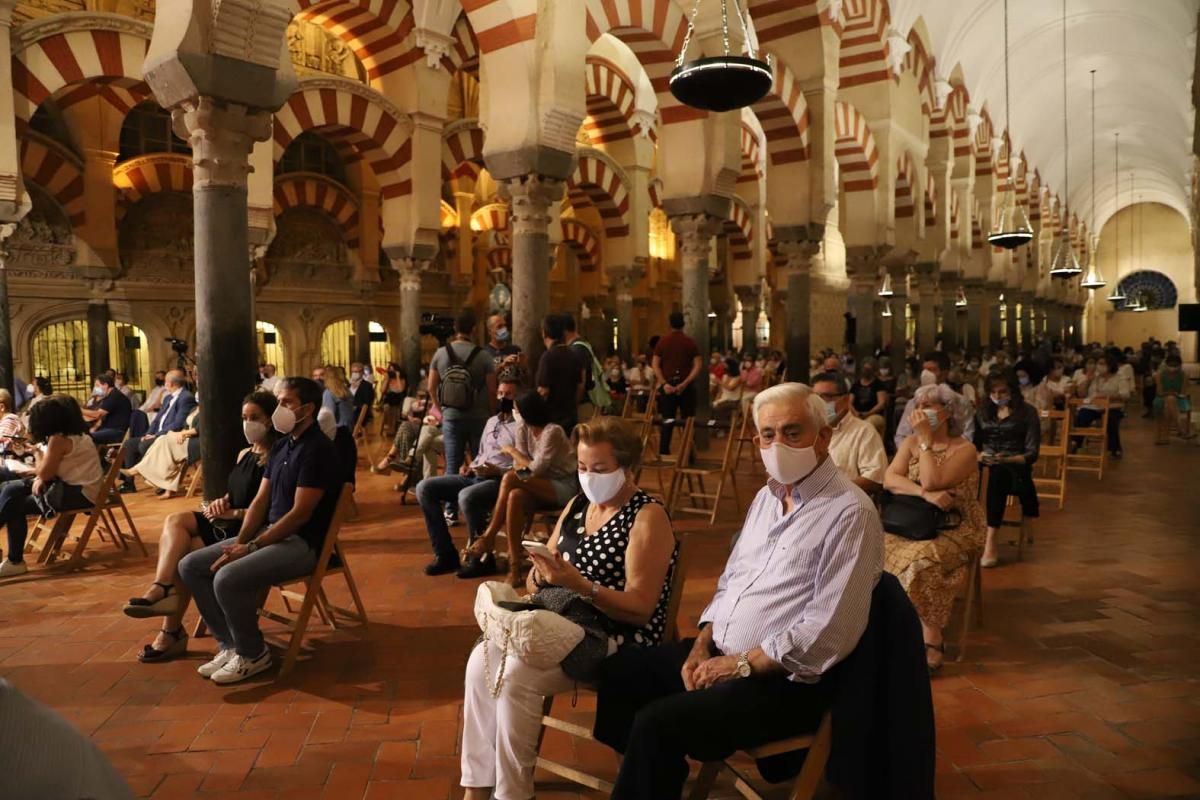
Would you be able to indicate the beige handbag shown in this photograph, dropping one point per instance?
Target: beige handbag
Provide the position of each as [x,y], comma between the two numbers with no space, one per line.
[540,638]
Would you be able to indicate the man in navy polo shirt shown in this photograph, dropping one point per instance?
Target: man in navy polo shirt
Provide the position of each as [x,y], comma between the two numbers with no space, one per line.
[281,535]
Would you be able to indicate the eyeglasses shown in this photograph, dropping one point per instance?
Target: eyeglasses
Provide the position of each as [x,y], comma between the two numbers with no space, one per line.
[791,435]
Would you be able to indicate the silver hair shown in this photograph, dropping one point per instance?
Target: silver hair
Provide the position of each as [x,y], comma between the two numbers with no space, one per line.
[789,394]
[957,405]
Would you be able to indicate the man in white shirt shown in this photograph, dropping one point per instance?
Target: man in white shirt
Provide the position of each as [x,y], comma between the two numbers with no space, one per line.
[155,396]
[856,447]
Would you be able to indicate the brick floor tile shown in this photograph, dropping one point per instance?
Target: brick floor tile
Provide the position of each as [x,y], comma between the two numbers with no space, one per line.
[394,761]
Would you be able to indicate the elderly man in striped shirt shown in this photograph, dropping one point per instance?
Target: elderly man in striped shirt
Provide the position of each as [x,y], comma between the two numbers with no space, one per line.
[793,601]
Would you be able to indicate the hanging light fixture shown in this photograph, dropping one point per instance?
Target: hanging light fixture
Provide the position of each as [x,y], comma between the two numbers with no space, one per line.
[1013,228]
[1094,279]
[1065,264]
[887,308]
[725,82]
[960,300]
[1116,295]
[885,289]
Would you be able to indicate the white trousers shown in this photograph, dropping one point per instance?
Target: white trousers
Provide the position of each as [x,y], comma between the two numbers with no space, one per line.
[500,733]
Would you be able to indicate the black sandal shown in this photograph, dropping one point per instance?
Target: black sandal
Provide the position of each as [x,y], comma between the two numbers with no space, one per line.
[937,648]
[165,606]
[150,654]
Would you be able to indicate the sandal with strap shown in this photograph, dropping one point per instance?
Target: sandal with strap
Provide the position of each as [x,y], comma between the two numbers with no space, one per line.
[937,648]
[150,654]
[165,606]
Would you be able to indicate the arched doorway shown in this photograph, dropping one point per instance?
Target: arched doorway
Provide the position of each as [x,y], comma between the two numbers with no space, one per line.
[338,344]
[60,353]
[129,353]
[270,346]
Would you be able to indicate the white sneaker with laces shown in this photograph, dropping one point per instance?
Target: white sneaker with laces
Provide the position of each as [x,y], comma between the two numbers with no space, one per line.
[210,668]
[8,569]
[239,668]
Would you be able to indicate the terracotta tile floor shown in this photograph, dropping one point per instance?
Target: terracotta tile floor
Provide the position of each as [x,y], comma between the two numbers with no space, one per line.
[1083,684]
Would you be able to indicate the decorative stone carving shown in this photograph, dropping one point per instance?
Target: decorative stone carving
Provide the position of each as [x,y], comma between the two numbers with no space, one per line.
[221,136]
[155,240]
[643,122]
[313,48]
[38,29]
[410,271]
[38,247]
[436,46]
[530,198]
[307,246]
[693,236]
[32,9]
[248,30]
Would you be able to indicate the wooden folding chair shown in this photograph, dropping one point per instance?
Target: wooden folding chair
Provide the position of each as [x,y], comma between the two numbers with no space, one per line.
[695,470]
[330,561]
[196,484]
[661,463]
[972,604]
[581,732]
[1051,483]
[1083,437]
[102,514]
[818,744]
[1014,515]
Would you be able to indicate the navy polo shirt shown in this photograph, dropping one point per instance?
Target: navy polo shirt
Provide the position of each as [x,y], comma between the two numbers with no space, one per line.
[309,461]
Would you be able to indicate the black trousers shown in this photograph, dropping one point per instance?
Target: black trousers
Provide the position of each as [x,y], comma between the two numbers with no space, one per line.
[1005,480]
[135,449]
[681,405]
[644,712]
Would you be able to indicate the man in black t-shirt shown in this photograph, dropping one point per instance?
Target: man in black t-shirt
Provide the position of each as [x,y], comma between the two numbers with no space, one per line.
[559,377]
[110,417]
[283,531]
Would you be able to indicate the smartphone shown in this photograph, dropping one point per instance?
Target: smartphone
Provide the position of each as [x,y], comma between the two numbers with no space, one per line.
[537,548]
[525,473]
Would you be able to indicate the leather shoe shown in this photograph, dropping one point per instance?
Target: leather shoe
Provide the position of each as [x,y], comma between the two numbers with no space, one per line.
[127,488]
[442,566]
[478,567]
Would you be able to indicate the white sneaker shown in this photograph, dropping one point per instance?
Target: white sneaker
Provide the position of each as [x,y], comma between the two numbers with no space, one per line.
[207,670]
[8,569]
[240,668]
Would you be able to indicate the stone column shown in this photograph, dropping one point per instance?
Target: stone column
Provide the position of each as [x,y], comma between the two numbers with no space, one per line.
[862,306]
[410,315]
[693,235]
[6,351]
[949,315]
[362,326]
[623,281]
[899,275]
[976,305]
[1027,318]
[798,244]
[749,297]
[530,198]
[1012,300]
[927,275]
[995,326]
[13,203]
[99,359]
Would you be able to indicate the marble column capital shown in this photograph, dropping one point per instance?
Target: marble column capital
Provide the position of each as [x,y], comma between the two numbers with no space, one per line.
[864,261]
[7,229]
[221,135]
[748,293]
[530,198]
[694,232]
[411,270]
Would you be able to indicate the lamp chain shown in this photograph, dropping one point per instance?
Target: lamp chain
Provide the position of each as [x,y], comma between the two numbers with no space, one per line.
[725,24]
[687,38]
[1066,140]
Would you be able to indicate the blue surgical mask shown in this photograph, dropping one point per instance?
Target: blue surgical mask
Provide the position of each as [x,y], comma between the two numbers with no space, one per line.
[1023,380]
[831,413]
[502,335]
[934,420]
[96,392]
[1000,401]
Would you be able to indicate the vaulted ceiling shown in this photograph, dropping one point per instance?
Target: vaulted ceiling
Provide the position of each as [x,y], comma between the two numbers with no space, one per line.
[1143,52]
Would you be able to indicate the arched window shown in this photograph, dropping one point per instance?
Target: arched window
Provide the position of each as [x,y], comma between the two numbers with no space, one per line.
[60,353]
[270,346]
[148,129]
[338,344]
[129,354]
[309,152]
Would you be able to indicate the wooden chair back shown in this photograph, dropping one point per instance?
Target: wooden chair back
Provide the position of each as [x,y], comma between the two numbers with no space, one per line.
[1050,472]
[1083,437]
[692,470]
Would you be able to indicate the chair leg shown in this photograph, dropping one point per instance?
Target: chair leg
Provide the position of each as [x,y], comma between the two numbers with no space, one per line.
[814,763]
[969,608]
[76,559]
[709,772]
[301,627]
[353,587]
[133,531]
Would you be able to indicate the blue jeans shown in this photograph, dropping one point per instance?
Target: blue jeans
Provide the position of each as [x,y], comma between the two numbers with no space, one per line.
[477,496]
[108,436]
[457,435]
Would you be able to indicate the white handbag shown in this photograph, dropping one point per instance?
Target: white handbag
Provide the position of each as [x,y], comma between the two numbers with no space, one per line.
[540,638]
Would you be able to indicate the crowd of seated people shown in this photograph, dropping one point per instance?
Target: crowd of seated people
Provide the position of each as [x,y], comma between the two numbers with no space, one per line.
[175,423]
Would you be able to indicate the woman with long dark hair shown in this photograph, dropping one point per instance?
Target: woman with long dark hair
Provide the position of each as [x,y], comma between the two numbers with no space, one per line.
[1008,434]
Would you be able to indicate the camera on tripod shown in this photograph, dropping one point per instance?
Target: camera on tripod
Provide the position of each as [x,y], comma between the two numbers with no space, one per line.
[439,326]
[178,345]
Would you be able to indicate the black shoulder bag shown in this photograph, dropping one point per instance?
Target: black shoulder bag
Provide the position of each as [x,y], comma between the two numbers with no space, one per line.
[915,517]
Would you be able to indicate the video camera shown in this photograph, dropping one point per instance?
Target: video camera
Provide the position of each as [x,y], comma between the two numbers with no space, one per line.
[178,345]
[439,326]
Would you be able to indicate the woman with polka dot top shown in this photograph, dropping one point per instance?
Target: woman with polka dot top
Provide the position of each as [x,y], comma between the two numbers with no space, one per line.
[613,545]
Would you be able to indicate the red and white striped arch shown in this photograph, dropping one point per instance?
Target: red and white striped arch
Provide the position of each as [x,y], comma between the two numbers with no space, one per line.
[906,191]
[931,204]
[63,60]
[500,258]
[150,174]
[977,240]
[655,190]
[951,121]
[981,146]
[121,97]
[57,171]
[502,23]
[751,159]
[739,229]
[776,19]
[492,217]
[309,190]
[353,118]
[654,30]
[583,241]
[783,114]
[462,143]
[376,30]
[955,215]
[464,53]
[610,101]
[1021,180]
[864,51]
[921,63]
[855,149]
[598,180]
[1035,198]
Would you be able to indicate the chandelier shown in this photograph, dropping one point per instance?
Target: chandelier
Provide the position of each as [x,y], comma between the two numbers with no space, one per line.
[960,300]
[1093,279]
[1117,296]
[887,309]
[1065,264]
[1013,229]
[724,82]
[885,289]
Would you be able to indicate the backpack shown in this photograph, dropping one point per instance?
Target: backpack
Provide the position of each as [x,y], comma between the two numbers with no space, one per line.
[456,389]
[598,393]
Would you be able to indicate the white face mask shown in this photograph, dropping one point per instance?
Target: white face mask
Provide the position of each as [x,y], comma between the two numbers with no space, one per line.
[254,430]
[327,422]
[831,413]
[928,378]
[932,417]
[355,376]
[284,419]
[788,465]
[600,487]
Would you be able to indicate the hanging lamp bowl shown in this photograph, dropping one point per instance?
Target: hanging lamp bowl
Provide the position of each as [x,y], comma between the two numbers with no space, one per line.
[1093,281]
[721,83]
[1116,296]
[1010,240]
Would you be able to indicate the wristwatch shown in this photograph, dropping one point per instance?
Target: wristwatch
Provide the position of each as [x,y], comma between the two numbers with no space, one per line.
[743,666]
[251,546]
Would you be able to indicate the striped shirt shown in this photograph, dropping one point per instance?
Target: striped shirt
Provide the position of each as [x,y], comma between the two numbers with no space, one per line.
[799,584]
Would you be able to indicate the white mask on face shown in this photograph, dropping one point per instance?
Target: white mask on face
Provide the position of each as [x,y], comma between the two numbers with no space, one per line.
[932,417]
[928,378]
[831,413]
[283,419]
[788,465]
[254,430]
[355,376]
[600,487]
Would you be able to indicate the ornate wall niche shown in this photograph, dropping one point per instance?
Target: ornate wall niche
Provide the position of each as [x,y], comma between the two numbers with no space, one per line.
[315,49]
[156,241]
[33,9]
[43,245]
[308,250]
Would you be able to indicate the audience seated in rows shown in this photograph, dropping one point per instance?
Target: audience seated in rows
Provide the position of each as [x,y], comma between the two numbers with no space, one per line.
[1171,404]
[281,533]
[336,395]
[543,477]
[110,413]
[856,447]
[178,405]
[419,425]
[1008,436]
[870,397]
[155,396]
[220,520]
[12,428]
[612,547]
[475,488]
[67,460]
[935,370]
[937,463]
[1106,380]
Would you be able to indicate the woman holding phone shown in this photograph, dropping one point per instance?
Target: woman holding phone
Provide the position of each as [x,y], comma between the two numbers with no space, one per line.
[613,545]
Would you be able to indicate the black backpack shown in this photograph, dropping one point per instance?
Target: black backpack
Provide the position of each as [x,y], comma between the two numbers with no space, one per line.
[456,389]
